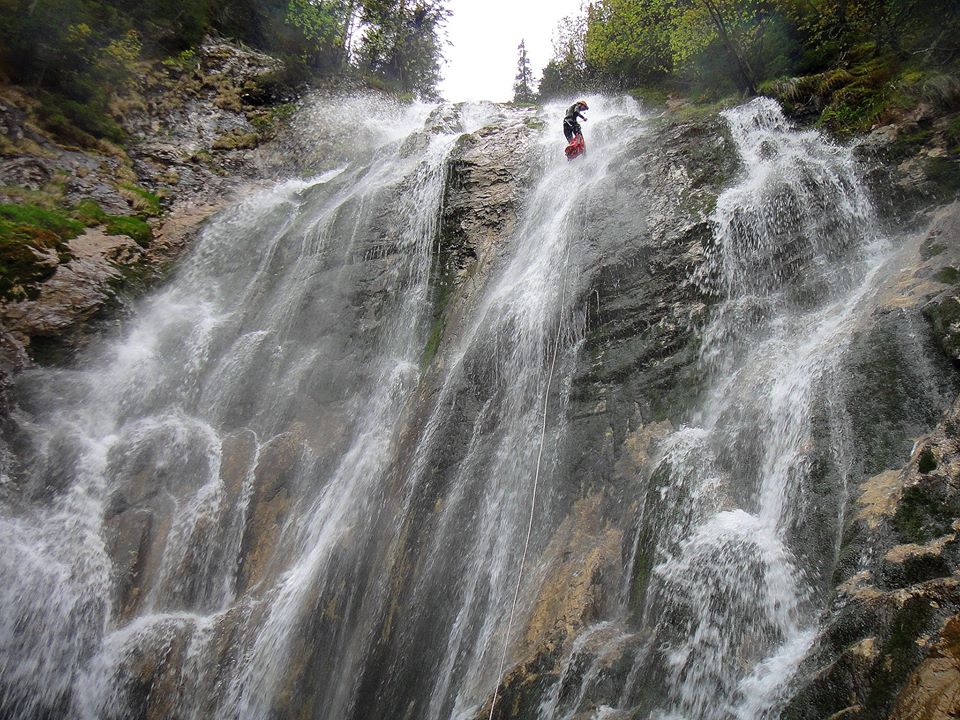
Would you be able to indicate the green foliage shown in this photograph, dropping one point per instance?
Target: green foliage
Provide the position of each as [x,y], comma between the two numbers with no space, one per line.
[523,82]
[567,72]
[184,61]
[711,47]
[324,27]
[78,54]
[402,43]
[17,218]
[629,41]
[79,122]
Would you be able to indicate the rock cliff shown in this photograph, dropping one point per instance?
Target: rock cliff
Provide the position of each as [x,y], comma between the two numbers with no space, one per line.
[197,128]
[888,646]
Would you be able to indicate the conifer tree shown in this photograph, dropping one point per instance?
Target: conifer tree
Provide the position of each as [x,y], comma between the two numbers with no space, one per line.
[523,83]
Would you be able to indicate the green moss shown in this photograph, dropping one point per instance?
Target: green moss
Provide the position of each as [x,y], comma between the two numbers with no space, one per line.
[931,250]
[204,157]
[150,201]
[28,234]
[267,123]
[131,226]
[944,173]
[922,516]
[534,123]
[948,276]
[901,655]
[952,134]
[21,270]
[433,343]
[945,318]
[90,213]
[26,216]
[853,110]
[236,140]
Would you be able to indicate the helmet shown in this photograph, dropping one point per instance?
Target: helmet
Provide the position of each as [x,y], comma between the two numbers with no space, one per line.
[583,104]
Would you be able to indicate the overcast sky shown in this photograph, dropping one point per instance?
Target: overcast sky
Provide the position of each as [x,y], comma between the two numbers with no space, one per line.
[482,60]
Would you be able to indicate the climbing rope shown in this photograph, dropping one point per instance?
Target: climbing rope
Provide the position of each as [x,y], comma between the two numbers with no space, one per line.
[536,481]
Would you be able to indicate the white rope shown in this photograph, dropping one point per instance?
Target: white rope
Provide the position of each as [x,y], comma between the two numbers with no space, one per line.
[533,494]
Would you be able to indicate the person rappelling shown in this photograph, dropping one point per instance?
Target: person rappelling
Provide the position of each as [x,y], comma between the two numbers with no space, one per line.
[572,131]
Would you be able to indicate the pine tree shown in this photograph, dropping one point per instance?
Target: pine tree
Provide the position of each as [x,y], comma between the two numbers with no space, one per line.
[523,83]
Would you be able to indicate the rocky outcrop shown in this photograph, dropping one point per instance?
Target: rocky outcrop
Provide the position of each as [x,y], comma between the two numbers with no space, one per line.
[486,179]
[195,127]
[887,649]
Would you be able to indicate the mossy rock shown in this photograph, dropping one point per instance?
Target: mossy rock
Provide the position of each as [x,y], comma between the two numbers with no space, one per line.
[926,512]
[944,316]
[145,202]
[33,241]
[131,226]
[22,269]
[236,140]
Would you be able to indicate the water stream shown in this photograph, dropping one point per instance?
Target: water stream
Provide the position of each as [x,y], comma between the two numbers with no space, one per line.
[322,524]
[731,543]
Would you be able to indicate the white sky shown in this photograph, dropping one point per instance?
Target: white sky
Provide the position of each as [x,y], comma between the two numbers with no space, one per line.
[482,60]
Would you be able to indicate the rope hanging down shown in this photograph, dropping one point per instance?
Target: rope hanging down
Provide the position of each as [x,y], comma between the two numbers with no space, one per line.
[536,481]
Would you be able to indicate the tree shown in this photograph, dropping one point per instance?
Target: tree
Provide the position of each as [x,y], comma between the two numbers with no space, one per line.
[402,43]
[325,26]
[523,83]
[736,29]
[567,71]
[628,41]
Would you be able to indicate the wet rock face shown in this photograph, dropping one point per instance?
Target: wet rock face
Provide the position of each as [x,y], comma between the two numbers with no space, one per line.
[888,647]
[194,131]
[633,381]
[645,304]
[486,179]
[487,174]
[273,491]
[885,648]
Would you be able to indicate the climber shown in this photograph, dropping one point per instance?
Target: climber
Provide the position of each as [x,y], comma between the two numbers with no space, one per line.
[572,131]
[571,127]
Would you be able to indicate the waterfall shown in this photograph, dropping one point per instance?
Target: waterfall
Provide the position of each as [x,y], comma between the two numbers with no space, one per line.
[234,438]
[729,548]
[283,489]
[257,449]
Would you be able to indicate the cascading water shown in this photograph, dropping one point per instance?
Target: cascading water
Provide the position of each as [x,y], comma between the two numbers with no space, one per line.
[729,553]
[249,452]
[258,359]
[266,499]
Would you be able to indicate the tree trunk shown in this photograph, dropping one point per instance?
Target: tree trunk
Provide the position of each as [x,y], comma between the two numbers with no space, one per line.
[743,66]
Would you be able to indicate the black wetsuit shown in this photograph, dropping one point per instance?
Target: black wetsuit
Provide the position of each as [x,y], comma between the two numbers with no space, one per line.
[570,125]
